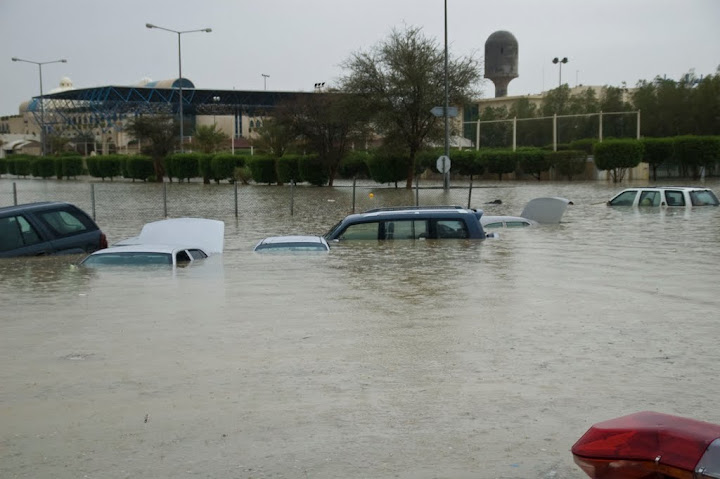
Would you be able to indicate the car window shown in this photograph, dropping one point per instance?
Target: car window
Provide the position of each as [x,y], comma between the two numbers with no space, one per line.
[497,224]
[121,259]
[451,229]
[406,229]
[674,198]
[197,254]
[16,232]
[361,231]
[625,198]
[280,247]
[64,223]
[516,224]
[703,198]
[182,257]
[649,198]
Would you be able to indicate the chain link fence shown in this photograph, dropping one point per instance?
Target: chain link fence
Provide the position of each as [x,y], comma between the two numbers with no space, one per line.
[105,201]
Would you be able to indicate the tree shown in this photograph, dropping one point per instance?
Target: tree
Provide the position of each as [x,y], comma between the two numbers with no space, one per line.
[274,137]
[617,156]
[162,133]
[209,138]
[327,123]
[400,80]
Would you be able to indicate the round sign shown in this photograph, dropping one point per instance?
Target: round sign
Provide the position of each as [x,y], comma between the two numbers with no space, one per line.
[443,164]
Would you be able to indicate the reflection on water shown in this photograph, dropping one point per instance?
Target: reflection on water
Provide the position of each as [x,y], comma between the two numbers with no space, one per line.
[407,359]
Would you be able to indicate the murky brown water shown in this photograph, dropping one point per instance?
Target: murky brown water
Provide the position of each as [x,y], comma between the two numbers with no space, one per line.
[409,360]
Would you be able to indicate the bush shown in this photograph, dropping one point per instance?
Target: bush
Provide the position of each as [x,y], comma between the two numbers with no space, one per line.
[696,152]
[243,175]
[584,144]
[20,165]
[354,165]
[388,166]
[533,161]
[499,162]
[223,166]
[426,159]
[656,152]
[617,156]
[205,168]
[92,166]
[70,166]
[288,168]
[466,162]
[183,166]
[312,170]
[3,166]
[568,163]
[139,167]
[263,169]
[43,167]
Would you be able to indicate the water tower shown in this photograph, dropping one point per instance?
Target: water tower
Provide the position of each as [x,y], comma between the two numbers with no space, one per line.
[501,60]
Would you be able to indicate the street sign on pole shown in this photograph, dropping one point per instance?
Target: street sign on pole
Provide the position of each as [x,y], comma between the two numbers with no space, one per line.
[438,111]
[443,164]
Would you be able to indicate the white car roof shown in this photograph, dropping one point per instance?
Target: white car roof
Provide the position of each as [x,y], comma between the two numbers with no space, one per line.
[143,248]
[207,235]
[294,239]
[486,220]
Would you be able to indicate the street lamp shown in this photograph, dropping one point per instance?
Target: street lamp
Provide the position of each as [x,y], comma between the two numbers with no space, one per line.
[180,101]
[42,102]
[265,77]
[560,63]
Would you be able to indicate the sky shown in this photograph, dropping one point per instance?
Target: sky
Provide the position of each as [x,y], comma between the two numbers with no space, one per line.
[300,43]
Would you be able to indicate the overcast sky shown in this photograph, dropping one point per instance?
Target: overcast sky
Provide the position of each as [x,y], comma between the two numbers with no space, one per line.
[301,42]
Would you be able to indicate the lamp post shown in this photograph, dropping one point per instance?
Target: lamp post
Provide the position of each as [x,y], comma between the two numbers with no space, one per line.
[180,100]
[560,64]
[265,77]
[42,102]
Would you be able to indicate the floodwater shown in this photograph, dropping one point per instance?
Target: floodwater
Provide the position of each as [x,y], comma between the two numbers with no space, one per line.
[398,360]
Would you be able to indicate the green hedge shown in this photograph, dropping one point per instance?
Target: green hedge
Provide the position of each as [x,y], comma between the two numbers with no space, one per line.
[584,144]
[533,161]
[354,165]
[312,170]
[499,162]
[388,166]
[288,168]
[183,166]
[205,168]
[617,156]
[43,167]
[20,165]
[658,151]
[466,162]
[222,166]
[3,166]
[68,166]
[695,152]
[263,169]
[568,163]
[138,167]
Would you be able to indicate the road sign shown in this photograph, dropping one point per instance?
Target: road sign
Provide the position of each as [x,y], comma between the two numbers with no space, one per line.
[452,111]
[443,164]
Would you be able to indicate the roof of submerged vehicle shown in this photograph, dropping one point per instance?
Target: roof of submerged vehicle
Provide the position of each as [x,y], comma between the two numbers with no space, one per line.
[144,248]
[294,239]
[33,206]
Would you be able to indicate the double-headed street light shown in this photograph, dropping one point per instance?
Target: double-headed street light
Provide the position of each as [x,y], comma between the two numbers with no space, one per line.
[265,77]
[42,102]
[560,63]
[180,100]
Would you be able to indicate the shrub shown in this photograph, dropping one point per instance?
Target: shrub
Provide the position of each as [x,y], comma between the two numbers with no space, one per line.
[312,170]
[696,152]
[354,165]
[584,144]
[139,167]
[3,166]
[92,166]
[263,169]
[617,156]
[568,163]
[71,166]
[288,168]
[183,166]
[656,152]
[533,161]
[43,167]
[20,165]
[499,162]
[223,166]
[466,162]
[243,174]
[205,168]
[387,166]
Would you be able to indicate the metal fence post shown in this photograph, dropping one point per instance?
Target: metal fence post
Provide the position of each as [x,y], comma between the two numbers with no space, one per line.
[165,199]
[14,194]
[236,199]
[353,195]
[417,190]
[470,192]
[92,198]
[292,197]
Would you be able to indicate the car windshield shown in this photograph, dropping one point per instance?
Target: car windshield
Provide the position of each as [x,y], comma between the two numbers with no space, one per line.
[703,198]
[279,247]
[127,258]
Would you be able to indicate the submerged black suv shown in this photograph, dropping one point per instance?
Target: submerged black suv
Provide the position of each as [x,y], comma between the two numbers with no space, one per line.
[412,222]
[36,229]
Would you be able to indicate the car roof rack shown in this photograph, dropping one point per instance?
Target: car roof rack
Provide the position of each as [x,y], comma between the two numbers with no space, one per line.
[404,208]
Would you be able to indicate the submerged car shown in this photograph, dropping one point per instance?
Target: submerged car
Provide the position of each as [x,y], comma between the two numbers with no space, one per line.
[277,244]
[665,196]
[47,228]
[408,223]
[650,445]
[537,211]
[170,242]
